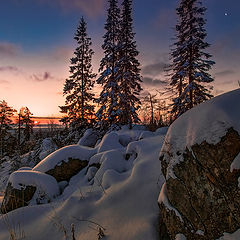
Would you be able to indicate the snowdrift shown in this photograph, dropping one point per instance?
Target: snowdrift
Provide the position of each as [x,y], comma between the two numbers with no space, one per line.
[116,192]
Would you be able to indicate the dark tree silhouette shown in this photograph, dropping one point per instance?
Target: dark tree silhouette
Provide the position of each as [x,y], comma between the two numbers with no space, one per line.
[190,62]
[78,87]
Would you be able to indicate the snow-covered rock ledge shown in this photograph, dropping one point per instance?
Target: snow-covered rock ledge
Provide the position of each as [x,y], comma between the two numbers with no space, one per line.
[200,161]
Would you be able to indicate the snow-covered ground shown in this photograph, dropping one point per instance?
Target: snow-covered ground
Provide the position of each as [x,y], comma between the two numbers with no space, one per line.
[120,197]
[30,159]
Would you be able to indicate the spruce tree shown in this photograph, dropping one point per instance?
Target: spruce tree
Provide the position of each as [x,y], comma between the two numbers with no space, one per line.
[109,96]
[6,114]
[25,119]
[77,89]
[190,63]
[129,70]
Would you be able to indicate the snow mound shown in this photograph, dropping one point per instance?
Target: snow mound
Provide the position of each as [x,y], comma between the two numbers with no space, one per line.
[118,190]
[63,154]
[208,121]
[109,141]
[46,186]
[89,138]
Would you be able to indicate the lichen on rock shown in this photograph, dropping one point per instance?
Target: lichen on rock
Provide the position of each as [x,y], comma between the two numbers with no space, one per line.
[203,190]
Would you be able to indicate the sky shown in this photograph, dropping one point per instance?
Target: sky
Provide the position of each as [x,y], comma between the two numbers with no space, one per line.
[36,43]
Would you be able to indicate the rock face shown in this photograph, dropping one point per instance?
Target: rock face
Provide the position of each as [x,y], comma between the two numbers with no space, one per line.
[65,170]
[203,197]
[15,198]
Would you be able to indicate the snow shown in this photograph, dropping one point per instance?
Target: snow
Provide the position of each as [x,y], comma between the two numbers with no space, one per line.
[110,141]
[121,195]
[231,236]
[47,147]
[236,163]
[47,187]
[180,237]
[208,121]
[89,138]
[163,199]
[29,160]
[5,170]
[63,154]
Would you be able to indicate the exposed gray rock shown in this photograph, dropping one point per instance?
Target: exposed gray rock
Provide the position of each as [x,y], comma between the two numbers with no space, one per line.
[204,191]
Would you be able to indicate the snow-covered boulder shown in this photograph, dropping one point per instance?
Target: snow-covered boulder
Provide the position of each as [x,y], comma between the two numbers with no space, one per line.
[109,141]
[65,162]
[90,138]
[200,161]
[28,187]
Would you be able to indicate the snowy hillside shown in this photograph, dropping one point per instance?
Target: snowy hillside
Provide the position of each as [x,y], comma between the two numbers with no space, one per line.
[120,197]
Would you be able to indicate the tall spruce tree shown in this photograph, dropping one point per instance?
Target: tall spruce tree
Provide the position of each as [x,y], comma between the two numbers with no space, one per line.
[77,89]
[190,62]
[129,70]
[109,67]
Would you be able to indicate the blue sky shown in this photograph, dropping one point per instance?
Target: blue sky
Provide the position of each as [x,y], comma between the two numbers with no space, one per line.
[36,42]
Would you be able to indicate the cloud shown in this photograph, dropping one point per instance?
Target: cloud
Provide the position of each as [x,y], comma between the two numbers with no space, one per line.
[92,8]
[42,77]
[154,69]
[153,82]
[9,69]
[8,49]
[61,53]
[4,82]
[224,73]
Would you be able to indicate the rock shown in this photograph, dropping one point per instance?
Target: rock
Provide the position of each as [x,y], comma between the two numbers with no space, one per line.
[65,170]
[15,198]
[202,191]
[66,162]
[29,187]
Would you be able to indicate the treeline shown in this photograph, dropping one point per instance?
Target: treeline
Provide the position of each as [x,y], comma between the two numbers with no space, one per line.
[17,137]
[119,101]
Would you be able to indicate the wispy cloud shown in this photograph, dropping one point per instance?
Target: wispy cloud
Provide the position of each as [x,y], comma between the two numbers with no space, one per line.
[8,49]
[92,8]
[42,77]
[61,53]
[153,81]
[9,69]
[4,82]
[154,69]
[224,73]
